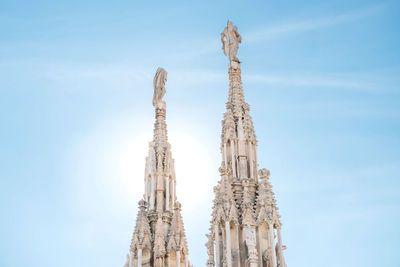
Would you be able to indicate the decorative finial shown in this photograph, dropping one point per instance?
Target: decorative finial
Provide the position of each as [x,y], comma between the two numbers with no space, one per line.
[223,170]
[159,86]
[230,39]
[178,206]
[264,174]
[142,205]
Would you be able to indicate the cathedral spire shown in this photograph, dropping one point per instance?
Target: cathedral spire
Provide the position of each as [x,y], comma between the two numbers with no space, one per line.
[239,143]
[159,213]
[245,219]
[160,171]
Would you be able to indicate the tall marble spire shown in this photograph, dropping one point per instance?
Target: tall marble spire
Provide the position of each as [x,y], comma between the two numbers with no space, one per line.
[159,238]
[245,224]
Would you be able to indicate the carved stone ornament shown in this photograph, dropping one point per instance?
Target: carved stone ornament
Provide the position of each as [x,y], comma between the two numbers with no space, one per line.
[267,255]
[210,250]
[230,39]
[264,173]
[250,239]
[159,86]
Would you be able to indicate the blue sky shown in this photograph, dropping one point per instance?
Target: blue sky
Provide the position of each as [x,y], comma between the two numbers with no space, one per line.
[323,82]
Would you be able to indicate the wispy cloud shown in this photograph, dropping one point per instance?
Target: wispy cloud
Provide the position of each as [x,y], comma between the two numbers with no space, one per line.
[192,50]
[280,30]
[123,76]
[371,82]
[326,80]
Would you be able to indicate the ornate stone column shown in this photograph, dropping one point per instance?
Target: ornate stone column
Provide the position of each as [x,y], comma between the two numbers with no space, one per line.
[178,258]
[251,163]
[146,187]
[160,193]
[152,192]
[131,259]
[233,158]
[225,154]
[167,196]
[228,244]
[242,158]
[168,259]
[271,235]
[139,258]
[282,260]
[173,194]
[217,251]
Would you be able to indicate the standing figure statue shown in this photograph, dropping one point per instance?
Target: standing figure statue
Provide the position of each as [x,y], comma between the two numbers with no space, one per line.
[159,85]
[210,250]
[230,39]
[249,236]
[280,262]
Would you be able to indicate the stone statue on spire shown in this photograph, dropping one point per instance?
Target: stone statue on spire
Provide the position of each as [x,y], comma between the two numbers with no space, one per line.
[159,86]
[230,39]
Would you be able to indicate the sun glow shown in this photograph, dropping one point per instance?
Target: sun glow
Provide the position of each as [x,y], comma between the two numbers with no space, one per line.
[109,165]
[193,169]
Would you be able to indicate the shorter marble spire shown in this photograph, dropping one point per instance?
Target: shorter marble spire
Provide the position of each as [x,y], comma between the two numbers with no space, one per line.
[159,238]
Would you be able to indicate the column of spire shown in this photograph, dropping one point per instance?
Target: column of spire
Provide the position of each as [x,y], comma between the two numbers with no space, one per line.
[238,139]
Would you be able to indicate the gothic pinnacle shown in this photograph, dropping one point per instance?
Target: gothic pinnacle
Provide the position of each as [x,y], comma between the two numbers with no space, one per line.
[244,207]
[159,213]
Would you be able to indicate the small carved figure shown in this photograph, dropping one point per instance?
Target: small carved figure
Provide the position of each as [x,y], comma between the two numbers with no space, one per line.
[159,85]
[280,262]
[230,39]
[267,257]
[264,173]
[250,239]
[249,236]
[210,246]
